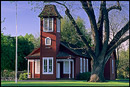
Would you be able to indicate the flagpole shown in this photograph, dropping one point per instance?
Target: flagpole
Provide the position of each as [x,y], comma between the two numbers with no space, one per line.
[16,48]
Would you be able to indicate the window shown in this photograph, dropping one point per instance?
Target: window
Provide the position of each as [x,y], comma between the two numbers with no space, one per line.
[48,41]
[37,66]
[87,64]
[58,25]
[112,66]
[80,65]
[48,65]
[66,67]
[48,24]
[84,65]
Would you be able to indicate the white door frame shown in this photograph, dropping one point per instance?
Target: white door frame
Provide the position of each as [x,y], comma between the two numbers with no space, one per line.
[71,60]
[32,67]
[58,70]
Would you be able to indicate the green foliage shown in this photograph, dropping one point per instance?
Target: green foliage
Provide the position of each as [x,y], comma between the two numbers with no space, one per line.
[7,52]
[7,73]
[123,66]
[34,39]
[8,47]
[23,76]
[84,76]
[68,32]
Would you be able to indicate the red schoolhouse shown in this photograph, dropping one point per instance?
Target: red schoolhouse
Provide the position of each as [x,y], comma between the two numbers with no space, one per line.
[54,59]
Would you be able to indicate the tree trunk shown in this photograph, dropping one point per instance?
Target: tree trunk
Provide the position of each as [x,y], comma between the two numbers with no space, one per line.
[97,72]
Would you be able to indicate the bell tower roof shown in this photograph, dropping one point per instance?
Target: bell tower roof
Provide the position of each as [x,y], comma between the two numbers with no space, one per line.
[49,11]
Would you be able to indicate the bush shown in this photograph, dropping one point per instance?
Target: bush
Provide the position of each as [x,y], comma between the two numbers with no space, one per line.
[7,73]
[84,76]
[23,76]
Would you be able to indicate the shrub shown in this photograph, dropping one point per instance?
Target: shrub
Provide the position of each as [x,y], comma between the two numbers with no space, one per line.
[23,76]
[7,73]
[84,76]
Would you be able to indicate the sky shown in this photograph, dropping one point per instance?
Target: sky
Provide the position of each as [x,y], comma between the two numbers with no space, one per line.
[28,20]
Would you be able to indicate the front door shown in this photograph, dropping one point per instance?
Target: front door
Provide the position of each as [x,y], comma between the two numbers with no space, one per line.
[58,71]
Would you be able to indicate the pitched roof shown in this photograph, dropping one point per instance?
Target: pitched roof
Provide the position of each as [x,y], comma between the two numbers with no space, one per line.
[34,54]
[49,11]
[79,52]
[63,54]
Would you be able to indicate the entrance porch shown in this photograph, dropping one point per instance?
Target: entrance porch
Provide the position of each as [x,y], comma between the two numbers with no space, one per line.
[33,68]
[64,68]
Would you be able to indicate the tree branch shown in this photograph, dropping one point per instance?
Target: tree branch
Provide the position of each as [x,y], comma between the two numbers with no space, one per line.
[100,25]
[106,26]
[75,48]
[110,50]
[87,6]
[118,7]
[67,12]
[118,35]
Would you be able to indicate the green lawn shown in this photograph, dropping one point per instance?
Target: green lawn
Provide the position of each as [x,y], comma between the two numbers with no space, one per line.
[65,83]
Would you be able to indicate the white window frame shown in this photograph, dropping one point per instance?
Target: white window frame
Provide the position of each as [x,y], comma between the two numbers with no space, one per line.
[48,25]
[112,66]
[87,64]
[47,58]
[58,25]
[36,67]
[46,39]
[84,65]
[64,72]
[81,65]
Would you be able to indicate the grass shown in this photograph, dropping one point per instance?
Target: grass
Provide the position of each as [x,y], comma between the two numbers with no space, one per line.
[65,83]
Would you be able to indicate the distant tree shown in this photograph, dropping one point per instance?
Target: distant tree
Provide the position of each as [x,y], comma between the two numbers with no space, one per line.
[24,48]
[68,33]
[34,39]
[115,23]
[8,52]
[123,66]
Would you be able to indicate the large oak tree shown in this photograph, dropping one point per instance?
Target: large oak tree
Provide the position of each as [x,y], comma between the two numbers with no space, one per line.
[100,30]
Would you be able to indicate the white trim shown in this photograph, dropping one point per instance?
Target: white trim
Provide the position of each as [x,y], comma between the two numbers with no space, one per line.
[57,70]
[87,64]
[69,69]
[73,69]
[30,60]
[64,60]
[58,25]
[84,64]
[52,24]
[33,69]
[28,68]
[47,58]
[81,65]
[48,25]
[112,66]
[36,66]
[46,39]
[63,65]
[64,72]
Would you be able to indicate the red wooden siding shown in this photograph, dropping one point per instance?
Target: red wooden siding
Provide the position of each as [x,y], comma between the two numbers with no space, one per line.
[48,52]
[31,68]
